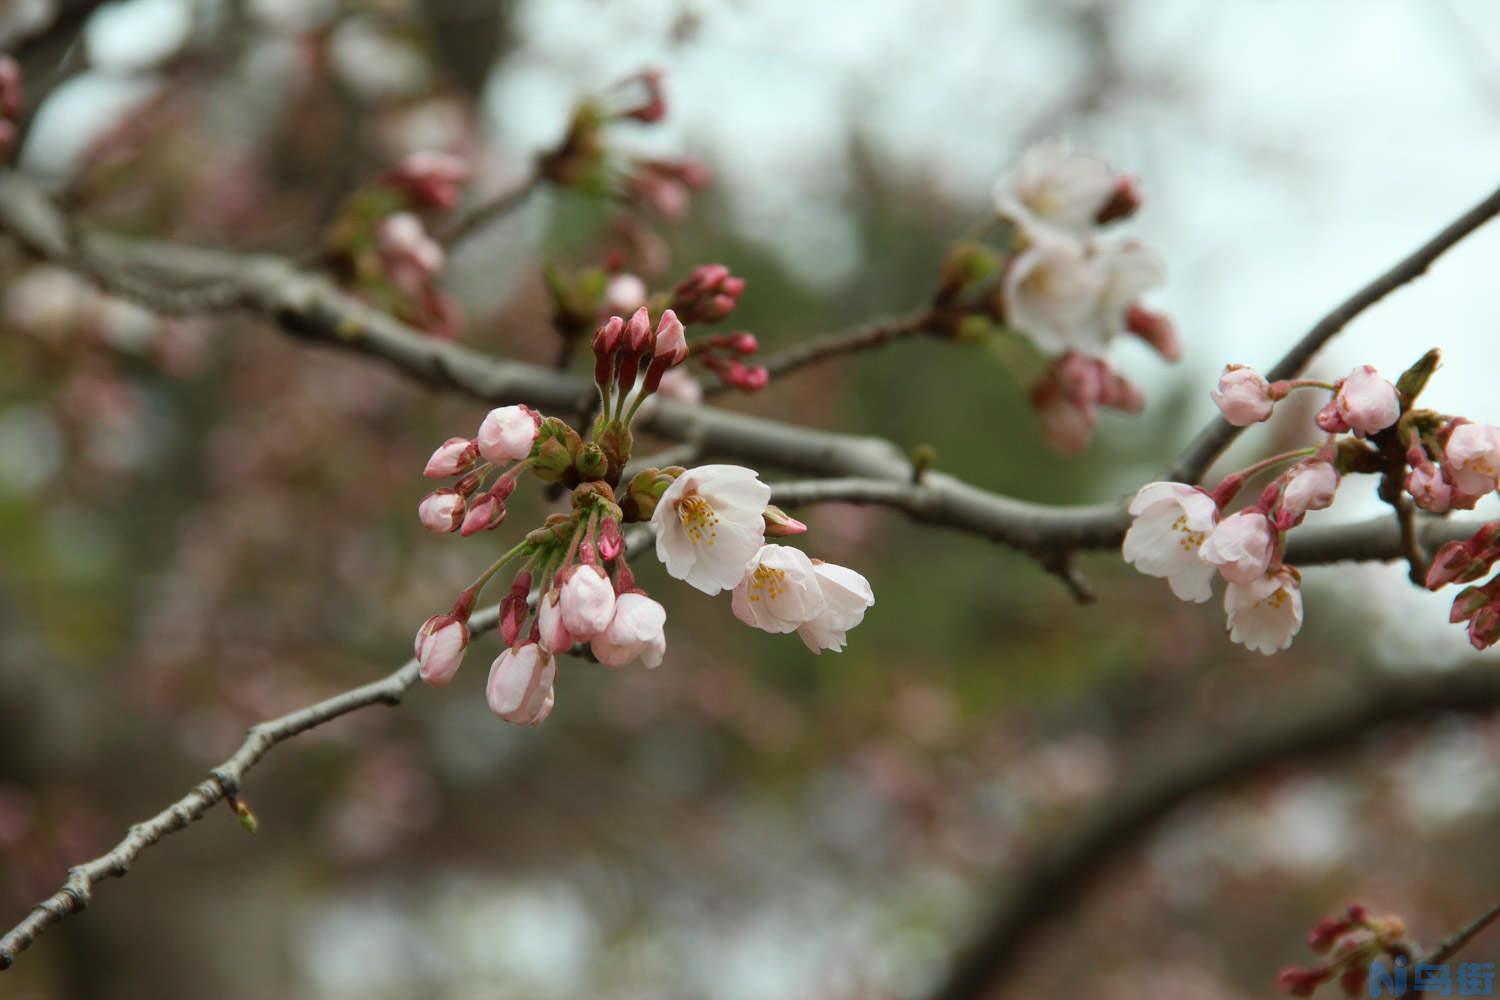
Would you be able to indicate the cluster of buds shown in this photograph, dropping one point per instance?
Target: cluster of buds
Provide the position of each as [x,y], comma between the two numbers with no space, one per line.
[583,160]
[1352,941]
[574,588]
[10,103]
[1426,459]
[1062,287]
[380,246]
[707,295]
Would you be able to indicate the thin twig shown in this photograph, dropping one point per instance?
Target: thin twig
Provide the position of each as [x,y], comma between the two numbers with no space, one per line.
[469,223]
[1411,545]
[222,782]
[861,338]
[1214,439]
[1451,946]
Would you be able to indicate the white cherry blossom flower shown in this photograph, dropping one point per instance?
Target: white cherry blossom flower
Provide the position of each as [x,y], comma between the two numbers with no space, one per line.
[1172,520]
[846,597]
[710,524]
[1265,614]
[780,591]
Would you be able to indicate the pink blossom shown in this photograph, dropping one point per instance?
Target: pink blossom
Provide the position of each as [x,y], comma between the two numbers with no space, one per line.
[709,524]
[681,386]
[441,511]
[407,249]
[587,602]
[1366,402]
[440,646]
[507,433]
[1472,455]
[1309,486]
[1241,546]
[707,295]
[519,688]
[624,293]
[1155,329]
[1172,520]
[1052,293]
[453,457]
[1429,488]
[635,632]
[1265,612]
[1243,396]
[554,635]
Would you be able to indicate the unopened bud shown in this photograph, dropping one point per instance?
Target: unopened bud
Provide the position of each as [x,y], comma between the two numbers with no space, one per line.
[780,524]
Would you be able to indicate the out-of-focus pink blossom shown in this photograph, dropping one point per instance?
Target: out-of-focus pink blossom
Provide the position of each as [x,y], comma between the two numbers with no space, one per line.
[432,180]
[1052,185]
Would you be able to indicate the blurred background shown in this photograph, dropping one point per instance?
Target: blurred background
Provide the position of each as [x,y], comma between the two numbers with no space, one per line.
[203,524]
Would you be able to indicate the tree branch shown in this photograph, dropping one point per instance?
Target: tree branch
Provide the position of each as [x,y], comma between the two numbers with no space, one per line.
[1050,882]
[1463,936]
[472,221]
[832,345]
[1216,438]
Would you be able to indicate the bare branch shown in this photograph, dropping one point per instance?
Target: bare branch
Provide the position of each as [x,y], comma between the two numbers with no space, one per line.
[1052,881]
[480,216]
[1216,438]
[833,345]
[222,782]
[1463,936]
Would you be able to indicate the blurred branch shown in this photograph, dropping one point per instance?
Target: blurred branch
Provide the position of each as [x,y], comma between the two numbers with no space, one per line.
[824,348]
[1050,882]
[859,469]
[222,783]
[1214,439]
[474,220]
[1453,944]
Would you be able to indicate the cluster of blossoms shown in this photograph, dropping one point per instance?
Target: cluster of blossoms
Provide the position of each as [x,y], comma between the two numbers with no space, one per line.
[380,246]
[1353,941]
[10,103]
[1435,462]
[1062,287]
[574,586]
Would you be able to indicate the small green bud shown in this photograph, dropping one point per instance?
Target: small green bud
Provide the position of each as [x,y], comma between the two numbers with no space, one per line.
[592,463]
[1414,379]
[556,449]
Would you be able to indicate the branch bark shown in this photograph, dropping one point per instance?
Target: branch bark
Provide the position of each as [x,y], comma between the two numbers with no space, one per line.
[222,782]
[1049,883]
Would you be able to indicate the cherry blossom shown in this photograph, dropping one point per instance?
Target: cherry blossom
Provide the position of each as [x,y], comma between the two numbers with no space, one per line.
[635,632]
[1051,185]
[709,524]
[453,457]
[1366,402]
[780,591]
[1052,295]
[1473,456]
[1308,486]
[1172,521]
[441,510]
[586,602]
[1241,546]
[1265,613]
[847,595]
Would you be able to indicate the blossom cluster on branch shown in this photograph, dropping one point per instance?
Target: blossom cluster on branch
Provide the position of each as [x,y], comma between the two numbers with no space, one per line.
[574,586]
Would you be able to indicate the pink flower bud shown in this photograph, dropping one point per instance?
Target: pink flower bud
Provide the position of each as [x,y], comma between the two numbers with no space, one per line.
[1156,329]
[1066,422]
[453,457]
[551,632]
[587,602]
[514,609]
[1243,396]
[10,88]
[1428,487]
[519,688]
[1367,402]
[1472,455]
[1484,627]
[507,434]
[635,631]
[611,541]
[707,295]
[431,180]
[671,339]
[485,514]
[407,249]
[780,524]
[743,343]
[1303,982]
[441,511]
[1466,604]
[440,646]
[1330,419]
[1309,486]
[608,336]
[638,331]
[1124,200]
